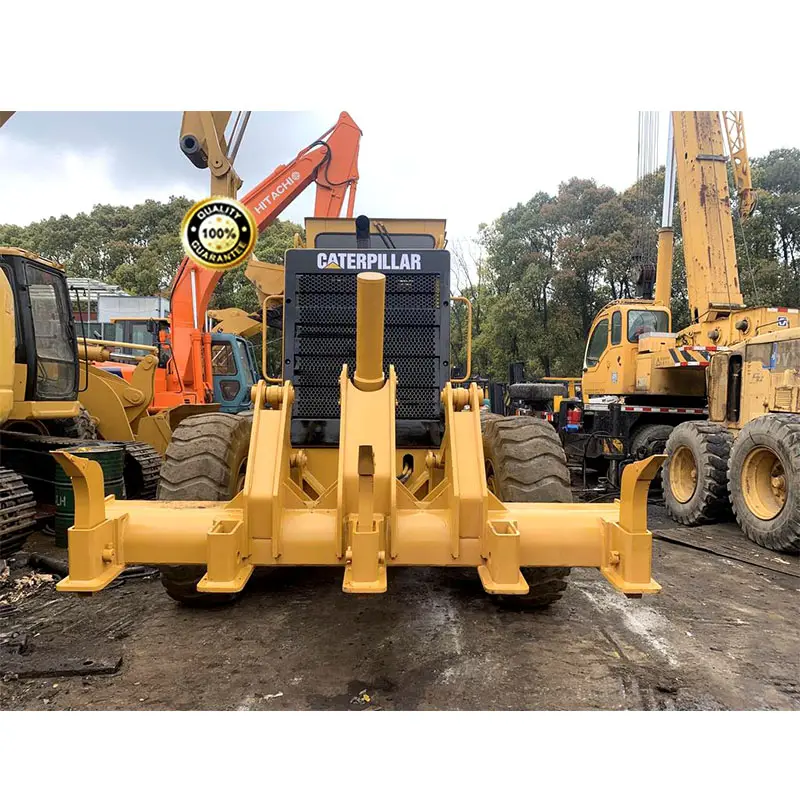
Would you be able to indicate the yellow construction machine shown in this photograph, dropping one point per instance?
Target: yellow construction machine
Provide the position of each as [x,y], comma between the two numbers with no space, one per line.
[645,388]
[44,368]
[365,453]
[754,408]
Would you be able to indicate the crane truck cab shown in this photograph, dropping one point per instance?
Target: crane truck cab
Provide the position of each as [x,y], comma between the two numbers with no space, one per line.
[615,340]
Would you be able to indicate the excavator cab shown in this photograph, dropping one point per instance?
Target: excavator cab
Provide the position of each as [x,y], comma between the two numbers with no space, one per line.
[45,356]
[235,371]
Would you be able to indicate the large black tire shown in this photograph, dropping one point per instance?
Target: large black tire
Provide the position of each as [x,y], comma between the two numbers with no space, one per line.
[694,476]
[538,396]
[487,417]
[525,463]
[204,461]
[80,427]
[649,440]
[774,441]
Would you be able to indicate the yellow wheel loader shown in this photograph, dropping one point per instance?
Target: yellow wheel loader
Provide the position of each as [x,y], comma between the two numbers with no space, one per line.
[365,453]
[44,370]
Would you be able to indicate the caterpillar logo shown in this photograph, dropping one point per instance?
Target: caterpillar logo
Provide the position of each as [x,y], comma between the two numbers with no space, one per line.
[370,260]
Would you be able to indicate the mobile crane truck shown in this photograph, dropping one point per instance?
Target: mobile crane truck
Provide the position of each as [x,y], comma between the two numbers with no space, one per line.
[647,390]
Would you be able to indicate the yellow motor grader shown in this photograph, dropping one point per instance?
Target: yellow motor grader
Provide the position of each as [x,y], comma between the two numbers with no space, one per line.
[364,454]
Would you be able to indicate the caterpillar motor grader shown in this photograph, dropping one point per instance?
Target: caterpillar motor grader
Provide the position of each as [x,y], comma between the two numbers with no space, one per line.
[363,454]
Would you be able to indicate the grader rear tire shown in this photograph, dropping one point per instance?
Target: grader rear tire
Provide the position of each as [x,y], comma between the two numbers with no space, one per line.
[764,481]
[525,463]
[695,474]
[204,461]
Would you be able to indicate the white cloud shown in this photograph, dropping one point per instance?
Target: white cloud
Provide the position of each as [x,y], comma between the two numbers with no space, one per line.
[40,181]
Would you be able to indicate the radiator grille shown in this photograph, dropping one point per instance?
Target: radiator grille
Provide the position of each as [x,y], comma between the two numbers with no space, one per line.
[324,338]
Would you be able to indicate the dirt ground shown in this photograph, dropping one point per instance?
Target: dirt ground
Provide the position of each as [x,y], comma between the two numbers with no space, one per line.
[723,634]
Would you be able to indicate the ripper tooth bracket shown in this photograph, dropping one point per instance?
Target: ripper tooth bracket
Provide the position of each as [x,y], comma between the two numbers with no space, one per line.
[95,543]
[500,574]
[227,569]
[628,544]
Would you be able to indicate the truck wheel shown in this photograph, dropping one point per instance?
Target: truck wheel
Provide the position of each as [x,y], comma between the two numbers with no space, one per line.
[647,441]
[205,460]
[764,481]
[80,427]
[525,463]
[695,474]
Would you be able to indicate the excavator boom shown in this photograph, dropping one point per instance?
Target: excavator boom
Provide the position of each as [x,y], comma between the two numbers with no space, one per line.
[331,161]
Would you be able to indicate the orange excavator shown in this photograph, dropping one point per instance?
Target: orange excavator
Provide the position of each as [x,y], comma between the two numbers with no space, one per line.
[331,161]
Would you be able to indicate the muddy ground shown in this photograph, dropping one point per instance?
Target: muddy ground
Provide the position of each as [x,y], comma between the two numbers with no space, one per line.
[723,634]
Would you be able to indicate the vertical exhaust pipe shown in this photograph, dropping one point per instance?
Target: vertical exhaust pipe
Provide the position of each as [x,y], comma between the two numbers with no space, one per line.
[370,304]
[362,232]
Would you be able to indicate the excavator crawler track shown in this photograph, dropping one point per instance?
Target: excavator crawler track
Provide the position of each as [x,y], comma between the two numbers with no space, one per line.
[17,512]
[141,471]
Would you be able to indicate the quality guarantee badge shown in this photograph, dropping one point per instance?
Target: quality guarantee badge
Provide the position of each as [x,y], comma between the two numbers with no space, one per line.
[219,233]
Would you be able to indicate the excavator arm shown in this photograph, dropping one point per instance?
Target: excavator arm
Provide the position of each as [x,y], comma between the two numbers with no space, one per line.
[331,161]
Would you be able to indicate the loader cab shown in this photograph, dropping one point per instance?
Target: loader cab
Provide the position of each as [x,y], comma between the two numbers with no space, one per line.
[609,364]
[235,370]
[45,352]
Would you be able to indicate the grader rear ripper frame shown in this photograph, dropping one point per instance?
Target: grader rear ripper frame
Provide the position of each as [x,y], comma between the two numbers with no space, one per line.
[366,503]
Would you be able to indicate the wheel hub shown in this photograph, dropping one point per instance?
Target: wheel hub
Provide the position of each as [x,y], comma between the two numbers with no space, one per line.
[683,474]
[764,483]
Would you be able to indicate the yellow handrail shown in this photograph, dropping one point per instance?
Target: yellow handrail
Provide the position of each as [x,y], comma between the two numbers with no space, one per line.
[264,340]
[467,303]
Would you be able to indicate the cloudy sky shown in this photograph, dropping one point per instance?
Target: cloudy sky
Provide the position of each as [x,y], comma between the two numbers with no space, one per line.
[468,168]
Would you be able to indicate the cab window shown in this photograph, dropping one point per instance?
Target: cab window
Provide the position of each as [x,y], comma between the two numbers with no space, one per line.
[56,363]
[222,360]
[787,355]
[597,343]
[643,320]
[616,327]
[409,241]
[761,353]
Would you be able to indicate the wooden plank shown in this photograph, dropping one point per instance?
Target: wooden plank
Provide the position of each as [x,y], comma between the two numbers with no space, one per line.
[49,666]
